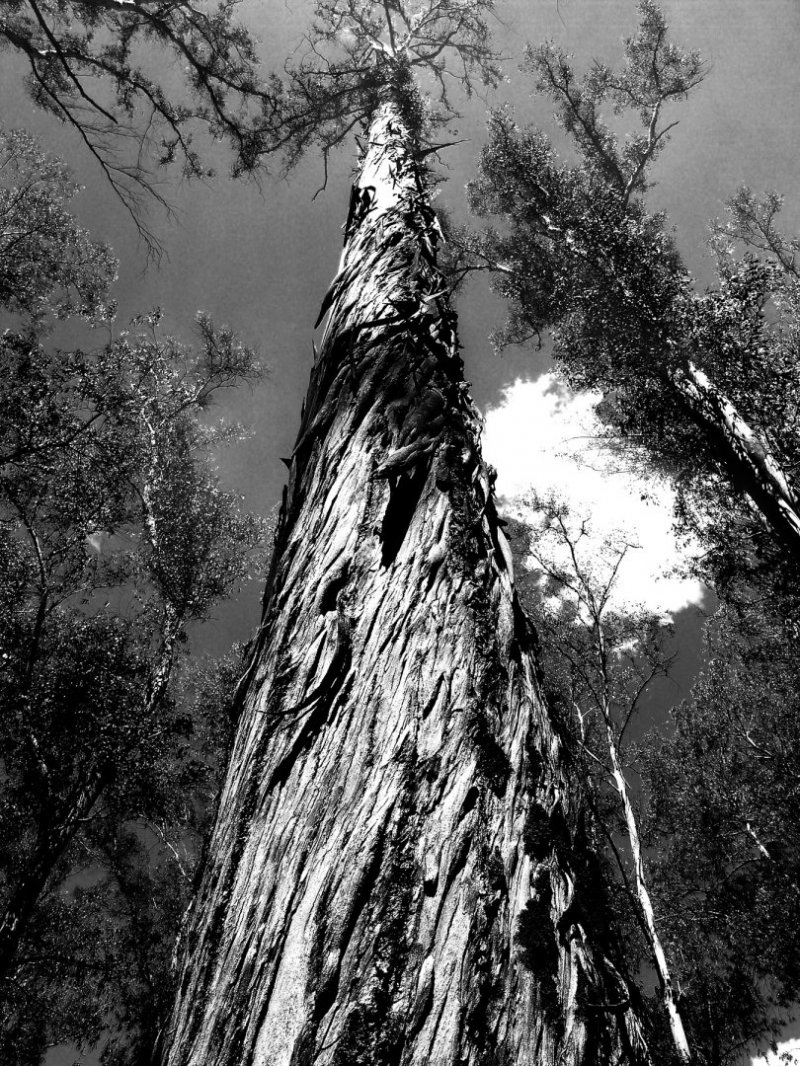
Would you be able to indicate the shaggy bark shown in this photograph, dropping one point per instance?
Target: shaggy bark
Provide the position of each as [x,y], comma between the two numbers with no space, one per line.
[367,897]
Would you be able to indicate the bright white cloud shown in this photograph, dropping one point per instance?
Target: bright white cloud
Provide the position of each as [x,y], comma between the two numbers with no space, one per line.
[788,1055]
[542,438]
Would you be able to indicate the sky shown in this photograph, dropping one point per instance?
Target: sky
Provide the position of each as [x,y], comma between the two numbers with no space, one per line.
[787,1053]
[261,257]
[607,493]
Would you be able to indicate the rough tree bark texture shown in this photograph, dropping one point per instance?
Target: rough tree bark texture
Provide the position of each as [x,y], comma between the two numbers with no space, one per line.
[362,897]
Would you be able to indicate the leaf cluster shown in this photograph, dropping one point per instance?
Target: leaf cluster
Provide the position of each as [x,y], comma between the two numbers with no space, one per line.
[579,254]
[115,536]
[725,852]
[47,262]
[100,68]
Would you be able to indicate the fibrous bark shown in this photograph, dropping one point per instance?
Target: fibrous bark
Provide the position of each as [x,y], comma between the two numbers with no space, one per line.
[367,898]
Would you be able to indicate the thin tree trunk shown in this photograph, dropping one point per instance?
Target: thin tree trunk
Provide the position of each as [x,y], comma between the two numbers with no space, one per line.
[360,899]
[643,900]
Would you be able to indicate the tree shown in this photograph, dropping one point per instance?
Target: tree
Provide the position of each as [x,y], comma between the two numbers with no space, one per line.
[48,264]
[352,50]
[723,839]
[710,849]
[94,968]
[90,65]
[705,381]
[114,538]
[600,662]
[367,896]
[130,477]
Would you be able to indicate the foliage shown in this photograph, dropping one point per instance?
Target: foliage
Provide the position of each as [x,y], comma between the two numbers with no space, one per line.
[100,68]
[95,66]
[717,807]
[95,966]
[597,652]
[114,537]
[580,254]
[47,261]
[725,850]
[357,50]
[600,663]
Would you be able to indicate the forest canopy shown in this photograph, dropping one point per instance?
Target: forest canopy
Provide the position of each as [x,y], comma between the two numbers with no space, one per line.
[121,531]
[115,540]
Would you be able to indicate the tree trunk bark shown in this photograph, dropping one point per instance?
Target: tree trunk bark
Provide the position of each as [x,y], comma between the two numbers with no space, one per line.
[742,455]
[361,897]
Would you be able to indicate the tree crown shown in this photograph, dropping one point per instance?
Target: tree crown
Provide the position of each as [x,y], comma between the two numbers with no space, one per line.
[90,64]
[48,264]
[355,51]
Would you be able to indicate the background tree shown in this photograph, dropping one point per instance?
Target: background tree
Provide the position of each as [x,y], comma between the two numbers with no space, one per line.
[706,381]
[92,65]
[48,264]
[698,379]
[95,968]
[114,538]
[600,662]
[367,896]
[723,843]
[714,814]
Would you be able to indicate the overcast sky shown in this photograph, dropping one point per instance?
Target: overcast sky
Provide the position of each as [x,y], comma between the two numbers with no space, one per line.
[262,259]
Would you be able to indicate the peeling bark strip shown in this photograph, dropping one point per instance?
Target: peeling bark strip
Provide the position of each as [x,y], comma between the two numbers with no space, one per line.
[365,880]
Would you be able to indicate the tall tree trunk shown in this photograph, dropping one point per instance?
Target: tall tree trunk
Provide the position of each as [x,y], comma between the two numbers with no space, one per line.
[361,897]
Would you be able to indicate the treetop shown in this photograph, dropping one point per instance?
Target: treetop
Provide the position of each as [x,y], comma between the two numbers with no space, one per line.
[356,50]
[656,71]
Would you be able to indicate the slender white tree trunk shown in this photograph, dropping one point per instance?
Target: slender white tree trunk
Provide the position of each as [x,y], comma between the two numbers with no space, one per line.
[362,891]
[643,897]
